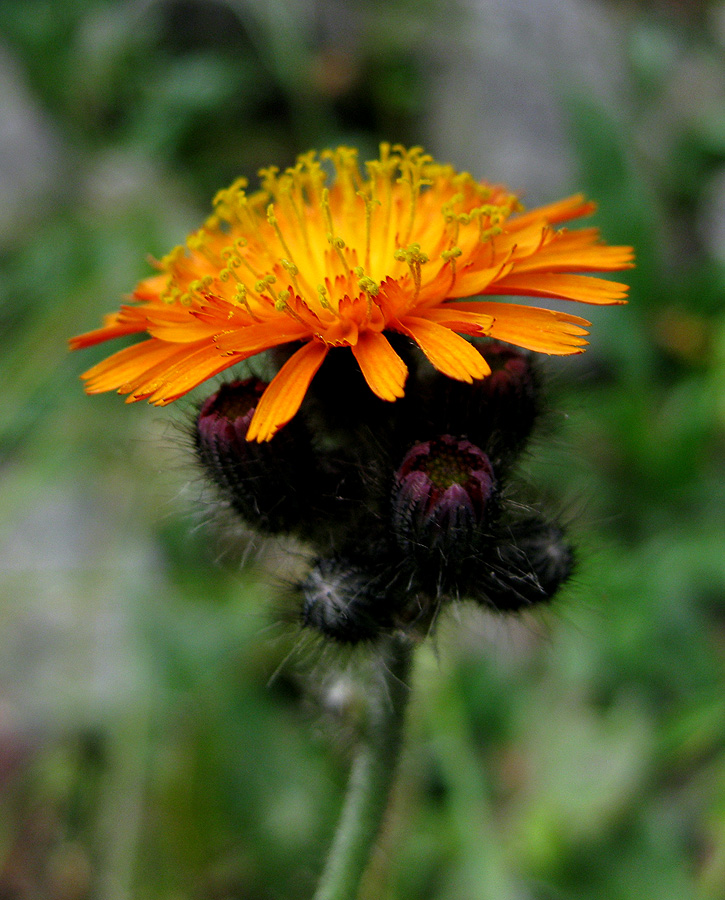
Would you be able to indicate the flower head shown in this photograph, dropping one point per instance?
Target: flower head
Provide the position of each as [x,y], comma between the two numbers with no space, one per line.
[396,247]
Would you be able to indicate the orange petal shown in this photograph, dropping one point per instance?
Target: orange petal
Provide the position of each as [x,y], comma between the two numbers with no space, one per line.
[469,281]
[384,371]
[567,254]
[151,288]
[560,211]
[114,326]
[127,365]
[154,378]
[449,353]
[285,393]
[255,338]
[464,322]
[543,330]
[521,240]
[179,326]
[584,288]
[190,372]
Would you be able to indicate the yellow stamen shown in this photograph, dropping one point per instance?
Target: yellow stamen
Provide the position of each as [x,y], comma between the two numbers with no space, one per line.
[415,258]
[450,256]
[412,164]
[263,287]
[323,299]
[272,219]
[241,298]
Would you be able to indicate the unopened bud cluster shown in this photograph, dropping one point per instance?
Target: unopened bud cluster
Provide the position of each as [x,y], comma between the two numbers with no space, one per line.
[405,505]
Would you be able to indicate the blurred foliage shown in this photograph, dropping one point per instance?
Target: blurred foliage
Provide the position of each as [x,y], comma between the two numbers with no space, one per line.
[157,739]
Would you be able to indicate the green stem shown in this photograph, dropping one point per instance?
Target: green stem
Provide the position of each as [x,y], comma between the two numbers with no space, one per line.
[371,779]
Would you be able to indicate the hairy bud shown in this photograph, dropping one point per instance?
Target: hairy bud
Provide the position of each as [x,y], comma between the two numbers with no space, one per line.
[497,413]
[266,484]
[442,496]
[527,568]
[343,601]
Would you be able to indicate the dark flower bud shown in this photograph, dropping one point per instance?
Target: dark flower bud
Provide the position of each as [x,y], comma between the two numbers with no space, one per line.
[527,568]
[344,601]
[496,413]
[442,497]
[264,483]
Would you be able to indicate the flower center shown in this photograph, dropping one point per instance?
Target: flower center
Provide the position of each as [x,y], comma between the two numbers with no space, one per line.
[448,464]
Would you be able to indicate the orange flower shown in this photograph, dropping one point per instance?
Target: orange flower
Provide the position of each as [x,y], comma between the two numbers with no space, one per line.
[394,249]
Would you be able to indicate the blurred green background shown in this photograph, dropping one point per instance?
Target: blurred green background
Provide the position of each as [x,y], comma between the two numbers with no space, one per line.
[157,733]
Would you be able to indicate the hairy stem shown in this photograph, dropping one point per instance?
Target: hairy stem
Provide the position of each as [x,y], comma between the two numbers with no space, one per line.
[371,778]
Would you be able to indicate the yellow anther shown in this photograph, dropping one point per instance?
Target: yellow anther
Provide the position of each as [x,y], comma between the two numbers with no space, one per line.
[196,287]
[221,197]
[227,200]
[488,233]
[268,178]
[241,298]
[281,305]
[196,241]
[173,257]
[368,285]
[412,254]
[171,294]
[450,256]
[263,287]
[415,258]
[322,297]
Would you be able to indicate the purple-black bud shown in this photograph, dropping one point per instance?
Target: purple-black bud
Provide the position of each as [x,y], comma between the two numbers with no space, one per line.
[224,417]
[442,497]
[527,568]
[264,483]
[344,601]
[498,412]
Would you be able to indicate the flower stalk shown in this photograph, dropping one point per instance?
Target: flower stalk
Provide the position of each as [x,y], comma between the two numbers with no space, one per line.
[371,776]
